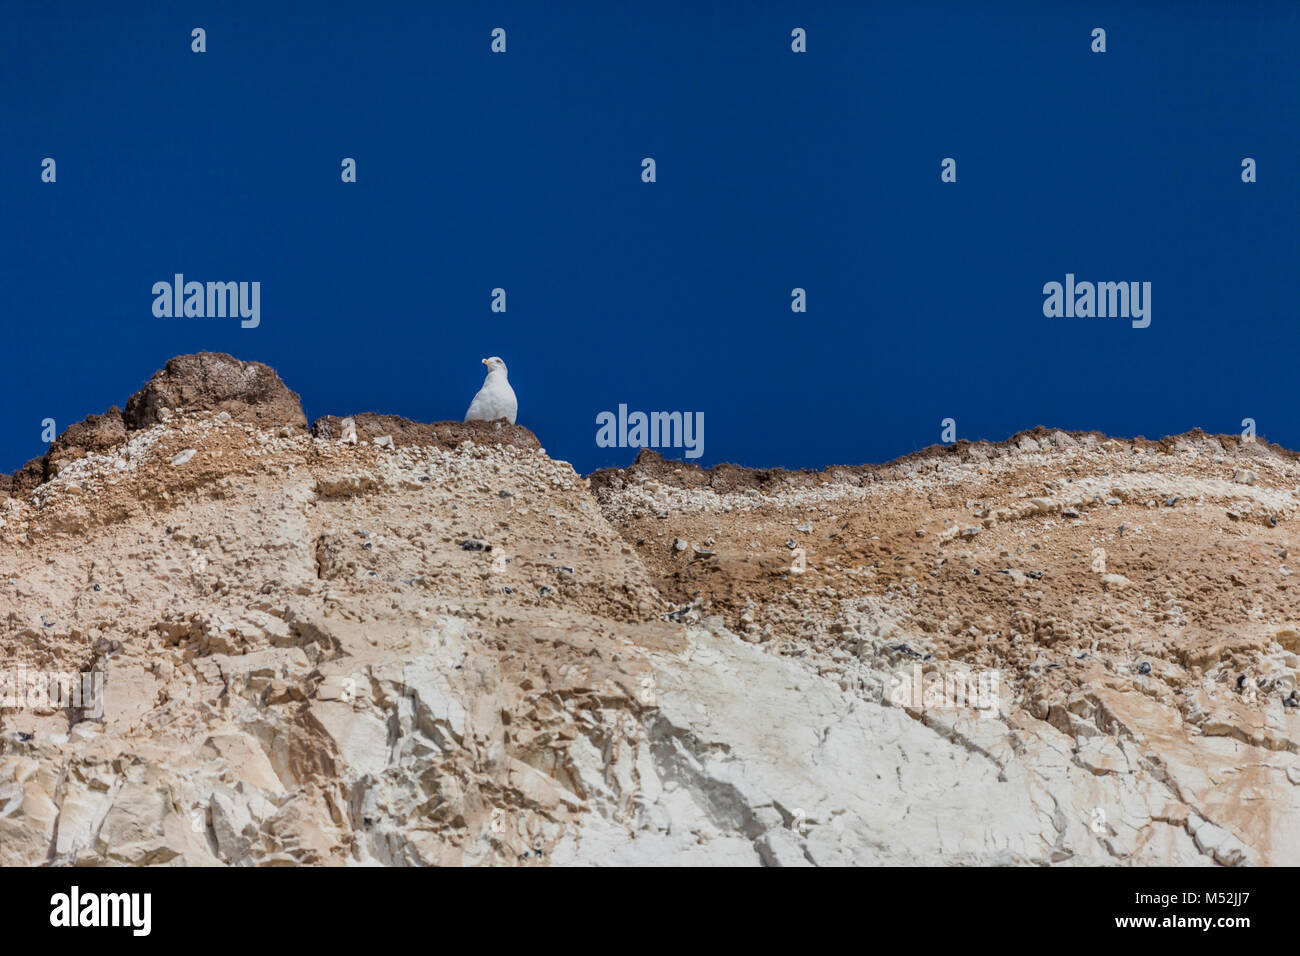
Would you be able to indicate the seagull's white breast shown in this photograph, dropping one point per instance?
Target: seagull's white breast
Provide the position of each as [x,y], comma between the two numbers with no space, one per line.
[496,399]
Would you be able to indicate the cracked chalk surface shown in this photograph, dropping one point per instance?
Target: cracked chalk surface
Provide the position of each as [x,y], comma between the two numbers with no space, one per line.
[330,649]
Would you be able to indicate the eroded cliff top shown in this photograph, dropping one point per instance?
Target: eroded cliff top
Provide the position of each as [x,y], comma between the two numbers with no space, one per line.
[388,642]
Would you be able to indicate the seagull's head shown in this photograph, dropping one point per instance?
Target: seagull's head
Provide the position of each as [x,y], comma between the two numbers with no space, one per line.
[494,364]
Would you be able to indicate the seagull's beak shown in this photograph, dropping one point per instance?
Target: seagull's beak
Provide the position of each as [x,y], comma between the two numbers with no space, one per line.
[485,361]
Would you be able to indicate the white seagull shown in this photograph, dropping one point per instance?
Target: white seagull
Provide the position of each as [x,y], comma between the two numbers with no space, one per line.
[496,399]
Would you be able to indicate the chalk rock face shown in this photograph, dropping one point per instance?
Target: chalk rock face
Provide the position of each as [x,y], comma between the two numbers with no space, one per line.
[212,381]
[451,649]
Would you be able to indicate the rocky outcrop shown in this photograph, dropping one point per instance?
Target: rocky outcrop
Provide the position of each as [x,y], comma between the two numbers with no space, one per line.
[248,392]
[203,382]
[95,435]
[401,644]
[212,381]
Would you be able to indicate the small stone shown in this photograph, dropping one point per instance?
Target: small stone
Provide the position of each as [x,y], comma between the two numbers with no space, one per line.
[1144,667]
[473,544]
[1172,500]
[806,527]
[1113,501]
[384,441]
[277,692]
[183,456]
[1069,513]
[1244,476]
[791,544]
[680,544]
[1115,580]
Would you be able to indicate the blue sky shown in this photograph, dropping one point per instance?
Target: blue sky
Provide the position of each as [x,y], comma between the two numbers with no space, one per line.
[775,170]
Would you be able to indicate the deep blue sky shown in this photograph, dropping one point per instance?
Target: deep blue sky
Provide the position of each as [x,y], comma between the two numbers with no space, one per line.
[775,170]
